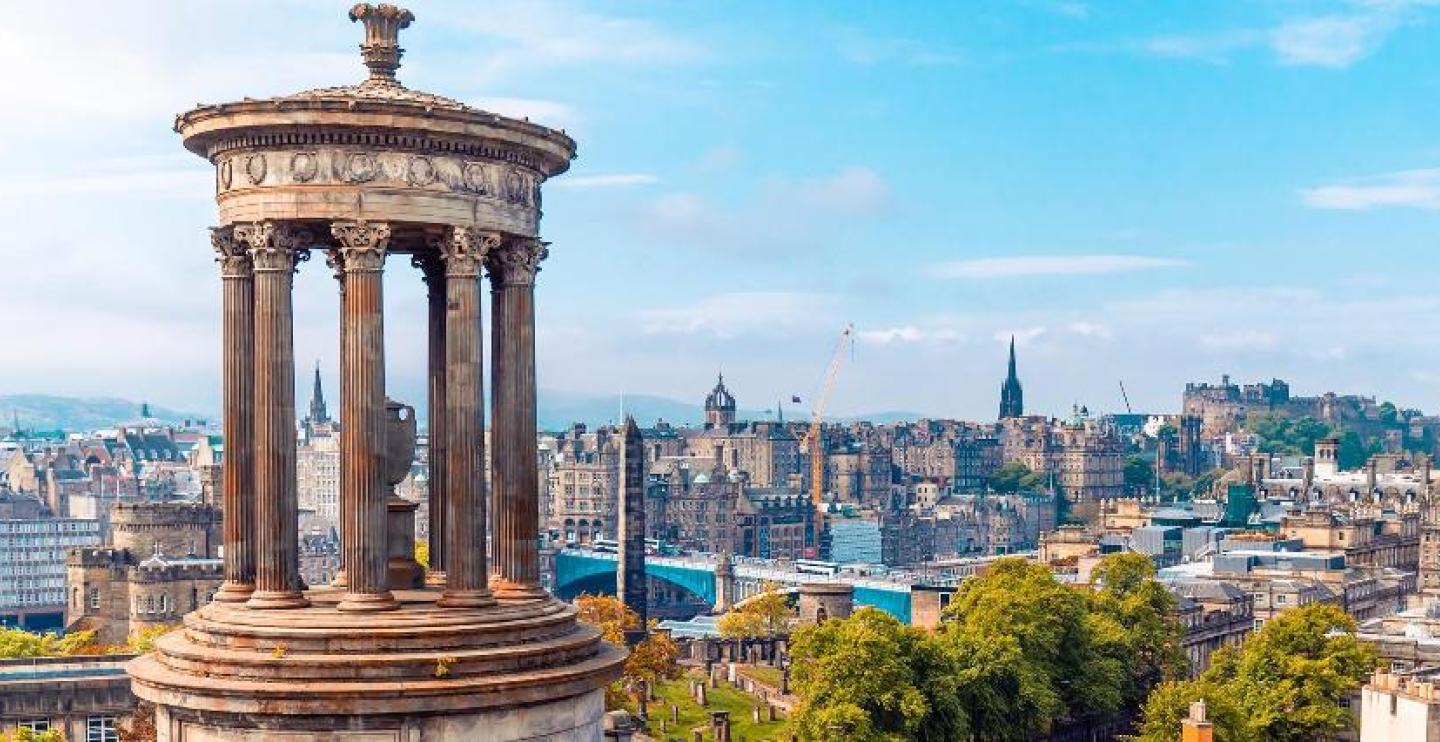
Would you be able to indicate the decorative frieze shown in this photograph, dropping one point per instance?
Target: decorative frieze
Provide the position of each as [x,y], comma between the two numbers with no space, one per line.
[507,183]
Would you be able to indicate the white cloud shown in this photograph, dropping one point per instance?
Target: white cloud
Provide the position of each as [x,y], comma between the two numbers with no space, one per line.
[553,114]
[720,159]
[1333,41]
[545,33]
[1024,336]
[908,335]
[1052,265]
[861,48]
[740,313]
[168,183]
[1410,188]
[855,189]
[1090,329]
[606,180]
[1233,341]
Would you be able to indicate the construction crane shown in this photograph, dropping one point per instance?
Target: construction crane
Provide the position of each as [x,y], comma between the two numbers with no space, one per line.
[1125,397]
[811,441]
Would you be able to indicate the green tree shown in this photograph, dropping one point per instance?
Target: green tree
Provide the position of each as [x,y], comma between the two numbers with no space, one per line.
[1169,704]
[868,677]
[1355,451]
[1058,638]
[1139,473]
[1007,478]
[766,614]
[1389,414]
[654,658]
[1130,600]
[1284,684]
[19,643]
[1205,482]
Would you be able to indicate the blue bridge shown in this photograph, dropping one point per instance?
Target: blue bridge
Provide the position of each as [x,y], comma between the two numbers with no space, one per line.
[580,571]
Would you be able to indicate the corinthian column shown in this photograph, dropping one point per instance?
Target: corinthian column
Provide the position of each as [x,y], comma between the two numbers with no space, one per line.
[361,255]
[275,250]
[432,268]
[512,270]
[467,581]
[237,472]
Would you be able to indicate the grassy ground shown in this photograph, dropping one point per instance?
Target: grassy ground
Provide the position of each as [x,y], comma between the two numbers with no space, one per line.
[762,673]
[724,698]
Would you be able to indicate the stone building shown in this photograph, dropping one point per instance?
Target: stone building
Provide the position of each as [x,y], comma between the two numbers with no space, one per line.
[81,698]
[163,562]
[317,460]
[584,481]
[1085,457]
[773,523]
[700,512]
[764,450]
[1213,615]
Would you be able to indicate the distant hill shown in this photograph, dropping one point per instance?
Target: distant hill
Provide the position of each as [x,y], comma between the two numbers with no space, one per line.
[49,412]
[557,411]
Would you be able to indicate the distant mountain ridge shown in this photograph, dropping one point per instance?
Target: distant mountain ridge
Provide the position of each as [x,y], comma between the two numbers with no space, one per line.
[53,412]
[558,410]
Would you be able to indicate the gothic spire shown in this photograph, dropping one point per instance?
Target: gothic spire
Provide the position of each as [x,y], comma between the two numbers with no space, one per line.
[318,413]
[1012,397]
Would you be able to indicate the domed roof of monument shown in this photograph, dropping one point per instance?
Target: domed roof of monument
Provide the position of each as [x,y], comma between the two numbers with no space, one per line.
[380,101]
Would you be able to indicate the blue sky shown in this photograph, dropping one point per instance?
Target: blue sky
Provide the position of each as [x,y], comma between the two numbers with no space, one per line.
[1153,192]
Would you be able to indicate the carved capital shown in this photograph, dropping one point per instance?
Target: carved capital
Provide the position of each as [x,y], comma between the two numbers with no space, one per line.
[517,262]
[232,256]
[463,250]
[275,246]
[362,245]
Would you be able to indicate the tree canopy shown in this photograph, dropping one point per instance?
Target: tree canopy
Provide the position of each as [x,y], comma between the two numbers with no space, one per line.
[765,615]
[653,659]
[19,643]
[1286,683]
[1018,653]
[1016,477]
[1139,473]
[868,677]
[1283,435]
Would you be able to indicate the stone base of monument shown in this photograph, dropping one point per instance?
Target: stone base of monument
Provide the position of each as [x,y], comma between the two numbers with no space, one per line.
[520,670]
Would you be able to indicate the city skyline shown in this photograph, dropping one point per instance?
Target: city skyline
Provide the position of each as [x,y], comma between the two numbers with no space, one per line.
[1157,197]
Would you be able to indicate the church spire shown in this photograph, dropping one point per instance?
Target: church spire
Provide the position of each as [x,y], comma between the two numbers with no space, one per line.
[1012,397]
[318,413]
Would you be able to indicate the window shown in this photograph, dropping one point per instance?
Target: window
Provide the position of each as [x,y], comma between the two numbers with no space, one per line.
[34,725]
[101,729]
[95,598]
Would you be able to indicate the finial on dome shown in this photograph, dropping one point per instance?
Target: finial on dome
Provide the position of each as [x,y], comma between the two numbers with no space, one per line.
[381,49]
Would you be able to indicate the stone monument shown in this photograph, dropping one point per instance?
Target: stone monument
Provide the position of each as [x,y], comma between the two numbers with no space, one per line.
[476,650]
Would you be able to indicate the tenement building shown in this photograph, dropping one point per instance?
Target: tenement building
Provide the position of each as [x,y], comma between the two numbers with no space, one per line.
[1085,457]
[476,649]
